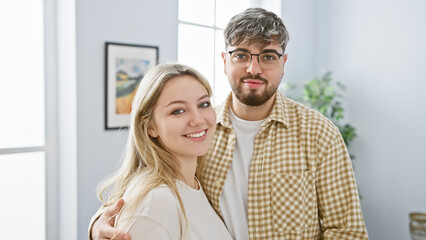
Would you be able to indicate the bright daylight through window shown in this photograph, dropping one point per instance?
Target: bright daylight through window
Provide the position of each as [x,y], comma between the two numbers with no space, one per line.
[22,121]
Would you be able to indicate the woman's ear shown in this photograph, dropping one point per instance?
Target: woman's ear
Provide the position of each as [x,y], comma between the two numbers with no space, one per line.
[152,132]
[149,125]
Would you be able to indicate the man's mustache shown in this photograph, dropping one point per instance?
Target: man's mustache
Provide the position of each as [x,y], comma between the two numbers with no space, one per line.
[254,77]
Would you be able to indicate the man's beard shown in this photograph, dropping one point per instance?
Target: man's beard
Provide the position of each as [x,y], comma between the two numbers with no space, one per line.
[253,99]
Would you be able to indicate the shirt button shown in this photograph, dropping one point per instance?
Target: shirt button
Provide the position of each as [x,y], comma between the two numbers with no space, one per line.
[217,183]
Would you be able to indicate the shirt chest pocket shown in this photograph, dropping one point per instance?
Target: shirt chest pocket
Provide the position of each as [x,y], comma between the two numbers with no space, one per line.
[293,201]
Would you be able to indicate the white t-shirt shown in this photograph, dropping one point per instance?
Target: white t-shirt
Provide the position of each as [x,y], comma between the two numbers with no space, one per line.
[233,201]
[159,216]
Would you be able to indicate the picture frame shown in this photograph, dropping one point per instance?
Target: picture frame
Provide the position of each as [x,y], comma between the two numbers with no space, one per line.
[125,66]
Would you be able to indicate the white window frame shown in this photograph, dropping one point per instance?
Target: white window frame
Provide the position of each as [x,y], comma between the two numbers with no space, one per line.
[50,146]
[214,28]
[51,120]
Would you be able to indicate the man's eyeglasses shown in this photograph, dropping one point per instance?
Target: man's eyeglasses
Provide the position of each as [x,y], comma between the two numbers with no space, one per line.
[242,59]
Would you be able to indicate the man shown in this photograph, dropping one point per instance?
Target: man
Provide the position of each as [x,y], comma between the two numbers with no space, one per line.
[276,169]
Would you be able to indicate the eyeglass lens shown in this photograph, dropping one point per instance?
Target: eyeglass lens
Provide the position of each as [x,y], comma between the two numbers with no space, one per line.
[242,59]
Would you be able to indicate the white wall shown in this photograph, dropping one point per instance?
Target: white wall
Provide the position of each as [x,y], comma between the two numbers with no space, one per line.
[377,49]
[299,19]
[127,21]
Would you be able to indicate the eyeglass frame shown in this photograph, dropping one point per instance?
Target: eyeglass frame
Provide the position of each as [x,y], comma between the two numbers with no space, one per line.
[251,54]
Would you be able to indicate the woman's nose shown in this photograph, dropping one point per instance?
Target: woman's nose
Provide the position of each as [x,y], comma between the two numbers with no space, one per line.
[196,118]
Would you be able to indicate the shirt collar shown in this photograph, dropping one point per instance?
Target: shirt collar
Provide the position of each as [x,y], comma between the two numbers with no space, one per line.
[279,111]
[222,113]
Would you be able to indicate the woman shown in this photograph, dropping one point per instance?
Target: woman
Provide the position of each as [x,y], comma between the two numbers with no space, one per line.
[172,124]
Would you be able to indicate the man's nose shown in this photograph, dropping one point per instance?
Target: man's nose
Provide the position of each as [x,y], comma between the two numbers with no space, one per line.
[254,66]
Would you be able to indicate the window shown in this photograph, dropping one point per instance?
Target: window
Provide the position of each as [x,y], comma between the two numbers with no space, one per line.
[23,128]
[200,36]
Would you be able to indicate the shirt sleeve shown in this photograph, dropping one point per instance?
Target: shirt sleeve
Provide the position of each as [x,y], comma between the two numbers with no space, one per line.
[94,218]
[339,206]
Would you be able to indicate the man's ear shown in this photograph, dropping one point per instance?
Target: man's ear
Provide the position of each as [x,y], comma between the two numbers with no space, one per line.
[285,60]
[224,61]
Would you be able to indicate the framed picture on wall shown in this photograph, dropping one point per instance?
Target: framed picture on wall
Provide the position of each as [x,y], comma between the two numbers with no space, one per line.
[125,66]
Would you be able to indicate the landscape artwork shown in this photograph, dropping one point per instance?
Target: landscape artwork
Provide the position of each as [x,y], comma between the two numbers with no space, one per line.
[129,73]
[125,66]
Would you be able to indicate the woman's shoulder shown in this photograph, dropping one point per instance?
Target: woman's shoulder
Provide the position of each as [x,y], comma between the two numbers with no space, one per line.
[157,201]
[157,214]
[159,206]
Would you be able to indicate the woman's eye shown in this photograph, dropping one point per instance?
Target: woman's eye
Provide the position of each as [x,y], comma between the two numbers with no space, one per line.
[177,112]
[205,104]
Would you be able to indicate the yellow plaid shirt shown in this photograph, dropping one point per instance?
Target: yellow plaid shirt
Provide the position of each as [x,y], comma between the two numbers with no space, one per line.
[301,183]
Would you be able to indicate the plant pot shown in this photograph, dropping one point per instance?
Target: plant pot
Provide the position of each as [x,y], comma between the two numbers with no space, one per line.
[418,226]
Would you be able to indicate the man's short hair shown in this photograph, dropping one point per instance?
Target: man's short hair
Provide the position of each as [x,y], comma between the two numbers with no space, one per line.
[256,26]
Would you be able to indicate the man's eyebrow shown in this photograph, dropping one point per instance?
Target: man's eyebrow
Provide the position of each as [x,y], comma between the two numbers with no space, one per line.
[270,51]
[241,49]
[263,51]
[183,102]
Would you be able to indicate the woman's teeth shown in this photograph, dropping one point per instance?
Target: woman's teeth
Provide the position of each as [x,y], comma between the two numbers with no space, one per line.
[196,135]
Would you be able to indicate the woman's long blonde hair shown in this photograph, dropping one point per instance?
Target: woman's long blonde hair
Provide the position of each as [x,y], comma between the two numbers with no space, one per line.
[145,163]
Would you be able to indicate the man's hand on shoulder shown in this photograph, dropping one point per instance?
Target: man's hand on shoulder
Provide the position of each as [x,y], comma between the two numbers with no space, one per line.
[103,228]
